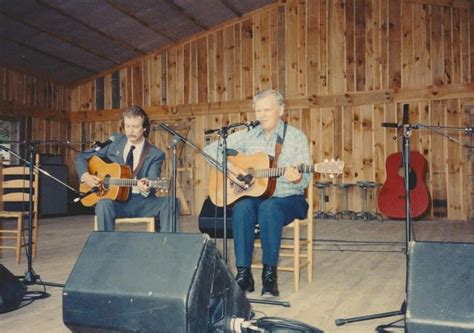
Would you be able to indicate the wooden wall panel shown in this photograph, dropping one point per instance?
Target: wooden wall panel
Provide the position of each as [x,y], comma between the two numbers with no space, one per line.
[344,67]
[41,108]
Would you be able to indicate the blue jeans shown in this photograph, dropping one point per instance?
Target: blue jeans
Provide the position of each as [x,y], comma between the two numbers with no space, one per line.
[272,215]
[107,211]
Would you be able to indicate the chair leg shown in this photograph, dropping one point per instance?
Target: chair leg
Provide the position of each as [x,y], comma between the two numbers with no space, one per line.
[19,234]
[296,254]
[151,225]
[309,249]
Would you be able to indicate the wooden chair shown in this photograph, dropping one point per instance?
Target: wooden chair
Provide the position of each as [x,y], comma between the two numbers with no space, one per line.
[299,248]
[150,221]
[15,189]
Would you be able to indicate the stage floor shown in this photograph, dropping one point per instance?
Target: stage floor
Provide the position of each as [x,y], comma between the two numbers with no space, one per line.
[359,269]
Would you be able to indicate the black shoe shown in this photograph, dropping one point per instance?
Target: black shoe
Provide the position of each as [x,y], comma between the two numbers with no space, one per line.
[244,279]
[269,281]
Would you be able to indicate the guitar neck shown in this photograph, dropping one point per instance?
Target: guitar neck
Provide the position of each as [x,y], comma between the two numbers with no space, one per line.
[277,172]
[131,182]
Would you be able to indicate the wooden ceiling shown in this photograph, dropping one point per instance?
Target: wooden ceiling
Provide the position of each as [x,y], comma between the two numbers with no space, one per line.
[69,40]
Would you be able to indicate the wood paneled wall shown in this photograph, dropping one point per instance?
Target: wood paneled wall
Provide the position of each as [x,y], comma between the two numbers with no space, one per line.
[344,66]
[40,105]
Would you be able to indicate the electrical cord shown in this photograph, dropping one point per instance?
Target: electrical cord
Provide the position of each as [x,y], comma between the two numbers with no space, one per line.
[278,324]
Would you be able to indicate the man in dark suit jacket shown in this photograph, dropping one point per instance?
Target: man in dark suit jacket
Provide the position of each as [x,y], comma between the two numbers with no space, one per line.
[130,148]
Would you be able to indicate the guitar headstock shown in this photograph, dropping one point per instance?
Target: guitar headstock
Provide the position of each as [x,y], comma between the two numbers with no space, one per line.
[162,184]
[332,167]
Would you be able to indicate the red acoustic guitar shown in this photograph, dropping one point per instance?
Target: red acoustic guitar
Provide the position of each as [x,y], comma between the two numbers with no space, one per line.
[392,195]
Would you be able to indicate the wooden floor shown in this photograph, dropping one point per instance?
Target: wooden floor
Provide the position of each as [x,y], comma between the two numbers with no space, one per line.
[359,269]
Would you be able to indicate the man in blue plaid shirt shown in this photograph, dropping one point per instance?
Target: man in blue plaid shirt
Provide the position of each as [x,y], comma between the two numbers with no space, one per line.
[287,201]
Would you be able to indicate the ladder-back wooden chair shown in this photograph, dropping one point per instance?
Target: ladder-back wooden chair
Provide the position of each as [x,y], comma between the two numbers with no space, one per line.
[15,190]
[296,252]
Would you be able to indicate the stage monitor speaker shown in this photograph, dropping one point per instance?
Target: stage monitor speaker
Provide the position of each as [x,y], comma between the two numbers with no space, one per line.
[211,220]
[440,288]
[151,282]
[11,291]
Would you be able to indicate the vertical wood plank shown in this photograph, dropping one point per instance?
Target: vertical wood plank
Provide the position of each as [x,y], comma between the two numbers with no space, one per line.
[107,92]
[292,48]
[282,50]
[312,46]
[394,39]
[203,73]
[350,46]
[301,37]
[437,58]
[360,45]
[155,80]
[229,60]
[454,163]
[247,58]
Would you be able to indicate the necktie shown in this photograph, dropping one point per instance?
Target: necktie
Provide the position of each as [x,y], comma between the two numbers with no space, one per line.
[129,160]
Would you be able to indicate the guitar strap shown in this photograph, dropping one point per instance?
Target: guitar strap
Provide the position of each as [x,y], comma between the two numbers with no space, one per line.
[279,145]
[146,148]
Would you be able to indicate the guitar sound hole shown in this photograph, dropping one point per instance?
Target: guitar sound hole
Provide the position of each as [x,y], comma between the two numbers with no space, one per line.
[106,182]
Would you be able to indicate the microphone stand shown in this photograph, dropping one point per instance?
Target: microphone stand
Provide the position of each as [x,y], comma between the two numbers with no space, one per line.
[408,225]
[408,233]
[174,143]
[176,138]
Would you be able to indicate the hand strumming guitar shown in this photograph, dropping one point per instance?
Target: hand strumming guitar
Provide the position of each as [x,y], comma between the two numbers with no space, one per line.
[91,180]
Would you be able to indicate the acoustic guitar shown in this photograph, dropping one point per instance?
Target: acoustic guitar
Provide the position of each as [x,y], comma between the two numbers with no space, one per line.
[254,176]
[115,183]
[391,199]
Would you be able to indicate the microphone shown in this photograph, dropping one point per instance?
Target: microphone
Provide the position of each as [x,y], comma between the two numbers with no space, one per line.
[404,119]
[253,124]
[83,195]
[99,145]
[392,125]
[249,124]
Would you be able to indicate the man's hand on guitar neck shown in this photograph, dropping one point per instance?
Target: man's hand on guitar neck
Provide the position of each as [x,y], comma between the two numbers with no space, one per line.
[144,186]
[292,175]
[91,180]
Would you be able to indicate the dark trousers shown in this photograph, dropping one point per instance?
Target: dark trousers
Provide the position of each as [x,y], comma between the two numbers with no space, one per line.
[107,211]
[272,215]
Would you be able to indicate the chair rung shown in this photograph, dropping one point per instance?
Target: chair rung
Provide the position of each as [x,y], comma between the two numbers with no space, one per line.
[292,247]
[290,255]
[7,247]
[6,231]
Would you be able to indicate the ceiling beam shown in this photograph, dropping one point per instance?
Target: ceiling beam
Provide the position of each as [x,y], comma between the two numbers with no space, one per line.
[48,54]
[141,21]
[116,40]
[187,14]
[60,37]
[229,5]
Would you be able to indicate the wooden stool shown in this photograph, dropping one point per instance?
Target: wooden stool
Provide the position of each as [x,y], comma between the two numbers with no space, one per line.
[364,213]
[150,221]
[322,213]
[373,209]
[345,212]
